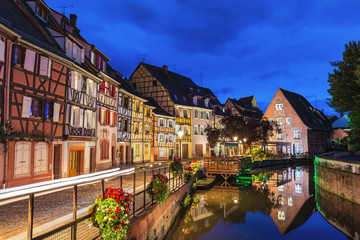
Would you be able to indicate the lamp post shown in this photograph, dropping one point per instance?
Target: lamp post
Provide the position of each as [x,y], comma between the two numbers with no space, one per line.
[235,140]
[245,143]
[180,134]
[240,147]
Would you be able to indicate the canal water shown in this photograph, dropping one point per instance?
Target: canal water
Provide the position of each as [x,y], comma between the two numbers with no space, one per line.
[271,204]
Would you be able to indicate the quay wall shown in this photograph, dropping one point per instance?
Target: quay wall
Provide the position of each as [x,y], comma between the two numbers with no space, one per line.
[155,221]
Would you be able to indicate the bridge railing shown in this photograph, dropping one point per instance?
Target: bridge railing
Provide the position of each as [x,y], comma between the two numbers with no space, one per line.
[76,227]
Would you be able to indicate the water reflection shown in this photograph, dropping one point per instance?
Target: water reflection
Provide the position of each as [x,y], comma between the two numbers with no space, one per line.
[275,205]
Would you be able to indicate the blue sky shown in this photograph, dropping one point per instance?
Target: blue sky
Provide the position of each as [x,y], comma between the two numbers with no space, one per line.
[241,48]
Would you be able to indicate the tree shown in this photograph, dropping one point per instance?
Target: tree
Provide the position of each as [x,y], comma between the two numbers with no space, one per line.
[265,130]
[345,88]
[213,136]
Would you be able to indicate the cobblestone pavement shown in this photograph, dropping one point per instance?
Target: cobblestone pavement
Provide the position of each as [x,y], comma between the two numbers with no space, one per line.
[49,207]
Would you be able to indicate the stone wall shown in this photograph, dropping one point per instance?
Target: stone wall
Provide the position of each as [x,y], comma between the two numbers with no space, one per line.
[339,177]
[155,221]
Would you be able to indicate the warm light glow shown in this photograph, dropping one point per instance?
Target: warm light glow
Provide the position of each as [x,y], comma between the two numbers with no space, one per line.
[235,201]
[240,141]
[180,133]
[244,140]
[235,139]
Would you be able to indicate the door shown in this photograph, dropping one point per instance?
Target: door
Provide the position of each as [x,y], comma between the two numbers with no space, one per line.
[185,151]
[92,159]
[74,163]
[171,154]
[198,150]
[122,160]
[57,162]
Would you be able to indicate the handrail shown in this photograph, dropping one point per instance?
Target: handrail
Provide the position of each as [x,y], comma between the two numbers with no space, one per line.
[61,185]
[2,191]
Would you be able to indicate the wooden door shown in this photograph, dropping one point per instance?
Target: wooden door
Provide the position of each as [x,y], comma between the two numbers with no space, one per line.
[74,163]
[122,160]
[198,150]
[92,159]
[113,157]
[185,151]
[57,162]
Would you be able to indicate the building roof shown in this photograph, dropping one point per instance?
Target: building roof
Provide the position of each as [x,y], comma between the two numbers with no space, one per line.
[158,109]
[181,89]
[342,122]
[311,117]
[245,107]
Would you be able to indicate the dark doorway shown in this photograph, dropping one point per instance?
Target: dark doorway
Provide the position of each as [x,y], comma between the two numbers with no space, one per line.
[92,159]
[57,161]
[113,157]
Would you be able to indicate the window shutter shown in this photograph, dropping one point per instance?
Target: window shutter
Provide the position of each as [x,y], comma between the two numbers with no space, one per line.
[49,68]
[100,115]
[44,66]
[66,46]
[72,112]
[115,118]
[87,86]
[81,118]
[56,112]
[158,137]
[79,82]
[158,121]
[173,123]
[68,114]
[95,89]
[113,91]
[102,87]
[82,55]
[107,117]
[74,51]
[93,120]
[92,57]
[86,125]
[72,78]
[29,63]
[26,107]
[2,51]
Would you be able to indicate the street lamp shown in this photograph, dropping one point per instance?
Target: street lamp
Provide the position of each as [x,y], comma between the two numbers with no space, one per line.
[180,134]
[241,147]
[235,139]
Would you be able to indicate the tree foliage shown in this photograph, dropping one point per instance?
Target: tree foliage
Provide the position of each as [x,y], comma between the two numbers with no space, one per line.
[345,88]
[213,135]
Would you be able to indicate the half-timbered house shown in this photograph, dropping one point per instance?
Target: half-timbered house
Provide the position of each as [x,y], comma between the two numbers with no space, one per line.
[137,124]
[245,107]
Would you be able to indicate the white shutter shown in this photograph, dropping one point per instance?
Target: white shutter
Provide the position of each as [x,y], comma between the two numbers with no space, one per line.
[82,55]
[92,56]
[95,89]
[85,119]
[44,66]
[22,159]
[72,79]
[49,68]
[81,117]
[56,112]
[68,114]
[79,82]
[40,158]
[94,119]
[158,121]
[29,63]
[158,137]
[2,51]
[87,86]
[26,107]
[173,123]
[72,112]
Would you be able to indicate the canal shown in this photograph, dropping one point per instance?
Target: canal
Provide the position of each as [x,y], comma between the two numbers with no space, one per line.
[271,204]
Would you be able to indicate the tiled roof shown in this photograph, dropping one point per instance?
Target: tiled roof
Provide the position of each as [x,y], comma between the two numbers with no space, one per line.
[311,117]
[342,122]
[158,110]
[245,109]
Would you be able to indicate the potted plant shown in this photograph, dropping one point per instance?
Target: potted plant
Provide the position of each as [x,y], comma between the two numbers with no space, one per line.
[158,188]
[111,214]
[176,167]
[188,173]
[195,166]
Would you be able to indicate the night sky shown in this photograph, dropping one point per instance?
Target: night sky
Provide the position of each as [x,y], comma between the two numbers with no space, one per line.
[240,48]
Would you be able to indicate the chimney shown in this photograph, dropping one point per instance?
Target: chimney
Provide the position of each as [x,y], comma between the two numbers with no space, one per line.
[165,68]
[73,19]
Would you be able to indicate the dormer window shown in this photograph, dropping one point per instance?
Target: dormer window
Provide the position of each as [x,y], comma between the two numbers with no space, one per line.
[41,12]
[74,51]
[206,102]
[98,61]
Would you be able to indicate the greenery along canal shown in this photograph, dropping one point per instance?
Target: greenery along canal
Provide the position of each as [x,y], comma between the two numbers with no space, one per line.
[277,204]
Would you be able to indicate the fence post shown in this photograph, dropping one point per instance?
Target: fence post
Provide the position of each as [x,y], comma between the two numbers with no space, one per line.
[144,188]
[30,216]
[134,193]
[102,189]
[74,227]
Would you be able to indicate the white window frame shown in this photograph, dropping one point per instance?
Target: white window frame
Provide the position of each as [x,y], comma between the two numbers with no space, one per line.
[279,136]
[288,120]
[279,121]
[161,153]
[297,134]
[279,106]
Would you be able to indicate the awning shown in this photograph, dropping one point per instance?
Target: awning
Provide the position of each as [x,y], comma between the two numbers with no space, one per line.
[231,144]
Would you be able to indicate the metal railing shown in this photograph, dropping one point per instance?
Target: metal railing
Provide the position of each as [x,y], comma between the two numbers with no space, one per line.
[75,228]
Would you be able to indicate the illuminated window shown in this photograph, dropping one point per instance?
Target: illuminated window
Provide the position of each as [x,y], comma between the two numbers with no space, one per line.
[290,202]
[279,121]
[281,215]
[279,106]
[298,188]
[279,136]
[196,114]
[146,148]
[288,120]
[281,188]
[161,153]
[297,134]
[137,150]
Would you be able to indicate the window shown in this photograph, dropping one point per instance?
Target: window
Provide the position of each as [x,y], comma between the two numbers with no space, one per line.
[271,121]
[112,118]
[281,215]
[124,125]
[91,88]
[195,100]
[154,83]
[279,106]
[207,115]
[288,120]
[137,150]
[161,122]
[147,129]
[171,123]
[90,119]
[19,56]
[49,110]
[22,158]
[297,149]
[196,114]
[171,137]
[195,127]
[126,102]
[279,121]
[36,108]
[104,149]
[161,153]
[146,150]
[41,158]
[41,12]
[206,103]
[202,130]
[279,136]
[297,134]
[2,50]
[185,114]
[298,188]
[161,138]
[290,202]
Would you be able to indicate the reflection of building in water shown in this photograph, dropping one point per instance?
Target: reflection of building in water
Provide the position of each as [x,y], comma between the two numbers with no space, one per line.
[294,203]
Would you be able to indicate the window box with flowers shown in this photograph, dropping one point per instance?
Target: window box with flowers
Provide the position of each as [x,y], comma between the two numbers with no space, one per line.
[176,167]
[188,173]
[158,189]
[111,214]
